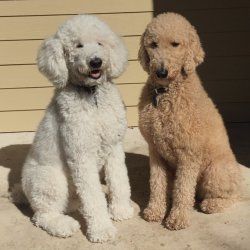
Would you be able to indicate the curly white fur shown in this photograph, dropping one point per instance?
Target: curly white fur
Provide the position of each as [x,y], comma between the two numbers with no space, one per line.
[78,137]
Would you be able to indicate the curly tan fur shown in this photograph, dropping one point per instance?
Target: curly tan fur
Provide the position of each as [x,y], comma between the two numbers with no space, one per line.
[188,143]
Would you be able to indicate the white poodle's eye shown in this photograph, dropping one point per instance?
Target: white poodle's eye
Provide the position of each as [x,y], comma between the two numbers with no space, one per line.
[79,45]
[175,44]
[153,45]
[100,44]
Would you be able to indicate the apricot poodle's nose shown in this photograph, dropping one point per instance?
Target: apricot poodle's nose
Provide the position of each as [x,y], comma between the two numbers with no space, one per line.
[162,73]
[95,63]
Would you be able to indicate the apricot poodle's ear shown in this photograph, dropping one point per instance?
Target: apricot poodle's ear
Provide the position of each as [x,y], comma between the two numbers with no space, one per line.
[143,54]
[118,55]
[195,54]
[51,62]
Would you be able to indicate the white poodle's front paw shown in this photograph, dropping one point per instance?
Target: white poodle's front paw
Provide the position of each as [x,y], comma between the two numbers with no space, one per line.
[101,234]
[59,225]
[120,212]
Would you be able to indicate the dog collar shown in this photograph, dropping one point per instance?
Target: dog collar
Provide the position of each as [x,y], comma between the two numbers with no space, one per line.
[156,93]
[91,90]
[88,89]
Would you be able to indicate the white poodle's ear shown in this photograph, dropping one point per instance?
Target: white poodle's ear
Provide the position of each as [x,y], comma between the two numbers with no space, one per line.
[51,62]
[143,55]
[195,53]
[118,56]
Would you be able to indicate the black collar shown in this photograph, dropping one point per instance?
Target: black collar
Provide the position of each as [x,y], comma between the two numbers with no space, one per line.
[89,89]
[156,92]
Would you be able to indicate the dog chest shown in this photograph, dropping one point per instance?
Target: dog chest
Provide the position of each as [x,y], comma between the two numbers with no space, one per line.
[111,124]
[110,116]
[168,127]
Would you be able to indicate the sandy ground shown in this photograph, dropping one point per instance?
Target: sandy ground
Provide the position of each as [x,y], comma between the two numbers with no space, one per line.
[230,230]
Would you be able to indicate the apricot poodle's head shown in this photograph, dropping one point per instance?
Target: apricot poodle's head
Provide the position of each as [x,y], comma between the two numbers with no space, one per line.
[170,46]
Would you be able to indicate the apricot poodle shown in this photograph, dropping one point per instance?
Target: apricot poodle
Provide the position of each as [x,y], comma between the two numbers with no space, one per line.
[188,144]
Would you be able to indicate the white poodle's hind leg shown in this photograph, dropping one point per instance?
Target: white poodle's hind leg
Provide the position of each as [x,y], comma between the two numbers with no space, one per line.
[46,188]
[56,224]
[118,183]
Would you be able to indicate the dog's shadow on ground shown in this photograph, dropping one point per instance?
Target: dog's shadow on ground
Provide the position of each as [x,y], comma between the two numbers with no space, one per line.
[13,157]
[138,171]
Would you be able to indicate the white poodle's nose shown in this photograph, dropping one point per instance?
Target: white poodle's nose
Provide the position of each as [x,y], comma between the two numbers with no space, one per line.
[95,63]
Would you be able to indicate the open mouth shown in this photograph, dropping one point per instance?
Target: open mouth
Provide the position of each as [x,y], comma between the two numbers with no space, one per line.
[95,74]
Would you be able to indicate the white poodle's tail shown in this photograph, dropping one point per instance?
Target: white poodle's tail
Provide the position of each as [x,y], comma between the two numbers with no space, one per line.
[17,195]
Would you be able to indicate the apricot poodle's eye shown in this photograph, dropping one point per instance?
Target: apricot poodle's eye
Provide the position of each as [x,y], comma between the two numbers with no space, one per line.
[100,44]
[79,45]
[175,44]
[153,45]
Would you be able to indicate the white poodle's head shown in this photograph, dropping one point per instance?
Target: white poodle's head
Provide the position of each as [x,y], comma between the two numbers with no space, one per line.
[84,51]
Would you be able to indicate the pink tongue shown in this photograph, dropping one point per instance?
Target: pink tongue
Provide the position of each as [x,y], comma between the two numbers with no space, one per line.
[95,74]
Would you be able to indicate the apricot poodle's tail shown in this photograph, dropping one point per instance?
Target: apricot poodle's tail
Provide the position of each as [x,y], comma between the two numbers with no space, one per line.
[245,185]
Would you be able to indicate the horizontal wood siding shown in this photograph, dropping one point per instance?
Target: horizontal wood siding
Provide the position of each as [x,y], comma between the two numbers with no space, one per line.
[24,52]
[223,25]
[38,98]
[62,7]
[20,76]
[16,121]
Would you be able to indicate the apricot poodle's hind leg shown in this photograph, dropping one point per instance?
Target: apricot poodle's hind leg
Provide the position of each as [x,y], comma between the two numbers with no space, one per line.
[159,182]
[215,205]
[220,186]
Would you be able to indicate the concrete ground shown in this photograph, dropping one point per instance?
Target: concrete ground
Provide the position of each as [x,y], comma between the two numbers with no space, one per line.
[230,230]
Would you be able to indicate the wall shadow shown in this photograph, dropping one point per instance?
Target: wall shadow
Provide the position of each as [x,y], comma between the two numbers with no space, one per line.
[239,136]
[223,27]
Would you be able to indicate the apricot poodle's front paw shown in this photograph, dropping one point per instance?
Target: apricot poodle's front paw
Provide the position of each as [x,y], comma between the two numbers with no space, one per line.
[153,214]
[101,233]
[119,212]
[177,220]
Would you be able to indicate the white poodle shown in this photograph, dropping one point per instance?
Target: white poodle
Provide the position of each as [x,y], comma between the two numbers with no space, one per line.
[81,133]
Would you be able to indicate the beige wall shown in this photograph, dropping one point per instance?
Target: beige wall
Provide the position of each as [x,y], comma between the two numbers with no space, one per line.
[24,92]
